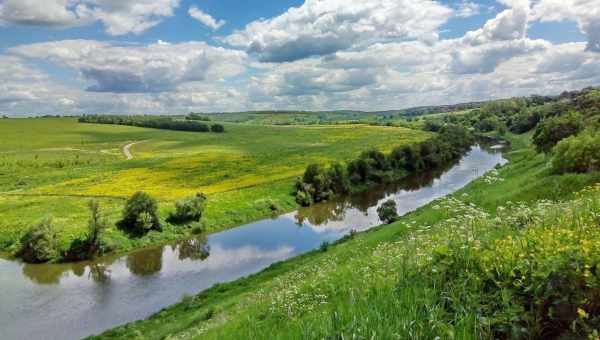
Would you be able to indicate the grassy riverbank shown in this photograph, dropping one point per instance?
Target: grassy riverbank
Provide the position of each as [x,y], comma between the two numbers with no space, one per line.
[54,167]
[475,265]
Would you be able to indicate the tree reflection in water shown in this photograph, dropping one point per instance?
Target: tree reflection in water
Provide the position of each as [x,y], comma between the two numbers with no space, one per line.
[194,249]
[335,210]
[145,262]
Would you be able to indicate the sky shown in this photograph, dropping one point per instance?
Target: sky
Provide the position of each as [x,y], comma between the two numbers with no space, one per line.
[177,56]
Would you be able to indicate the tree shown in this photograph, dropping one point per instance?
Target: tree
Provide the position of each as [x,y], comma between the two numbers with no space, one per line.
[218,128]
[553,130]
[388,212]
[40,243]
[140,214]
[577,154]
[188,210]
[96,227]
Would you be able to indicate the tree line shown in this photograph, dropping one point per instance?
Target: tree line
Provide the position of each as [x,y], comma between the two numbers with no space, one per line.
[163,123]
[374,167]
[563,127]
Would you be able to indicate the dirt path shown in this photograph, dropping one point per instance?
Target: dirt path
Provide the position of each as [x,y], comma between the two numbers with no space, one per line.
[127,150]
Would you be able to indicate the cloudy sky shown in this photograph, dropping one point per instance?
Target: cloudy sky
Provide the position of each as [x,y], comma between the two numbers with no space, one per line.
[176,56]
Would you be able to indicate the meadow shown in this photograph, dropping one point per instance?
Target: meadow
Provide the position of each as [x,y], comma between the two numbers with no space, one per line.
[55,166]
[497,259]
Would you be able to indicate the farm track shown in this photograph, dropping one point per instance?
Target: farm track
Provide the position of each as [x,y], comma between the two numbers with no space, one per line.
[127,150]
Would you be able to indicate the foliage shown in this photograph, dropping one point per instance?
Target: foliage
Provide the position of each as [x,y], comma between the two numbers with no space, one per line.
[218,128]
[188,210]
[577,154]
[140,214]
[388,212]
[373,166]
[39,244]
[164,123]
[92,245]
[553,130]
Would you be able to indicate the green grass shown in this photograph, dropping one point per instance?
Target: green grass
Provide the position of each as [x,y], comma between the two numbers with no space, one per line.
[457,268]
[55,166]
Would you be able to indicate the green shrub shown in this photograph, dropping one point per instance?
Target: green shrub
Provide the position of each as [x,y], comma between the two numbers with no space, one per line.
[92,245]
[577,154]
[140,214]
[188,210]
[218,128]
[40,243]
[553,130]
[388,212]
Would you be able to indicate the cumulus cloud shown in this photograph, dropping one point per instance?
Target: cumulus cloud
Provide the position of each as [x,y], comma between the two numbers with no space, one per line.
[585,12]
[510,24]
[485,58]
[130,69]
[205,18]
[320,27]
[118,16]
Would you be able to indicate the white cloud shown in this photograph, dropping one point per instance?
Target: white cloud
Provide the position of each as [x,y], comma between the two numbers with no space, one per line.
[130,69]
[585,12]
[320,27]
[205,18]
[118,16]
[370,55]
[510,24]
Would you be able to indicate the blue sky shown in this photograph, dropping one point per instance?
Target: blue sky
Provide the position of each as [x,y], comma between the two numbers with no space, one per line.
[173,56]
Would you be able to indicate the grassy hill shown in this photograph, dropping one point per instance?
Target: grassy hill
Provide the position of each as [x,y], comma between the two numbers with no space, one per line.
[497,259]
[54,166]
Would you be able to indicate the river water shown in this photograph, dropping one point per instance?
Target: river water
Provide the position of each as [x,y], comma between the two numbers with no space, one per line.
[71,301]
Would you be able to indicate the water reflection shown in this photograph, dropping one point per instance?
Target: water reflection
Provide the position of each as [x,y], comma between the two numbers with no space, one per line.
[336,210]
[194,249]
[145,262]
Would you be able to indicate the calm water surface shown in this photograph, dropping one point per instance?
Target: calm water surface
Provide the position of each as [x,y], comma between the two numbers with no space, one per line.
[75,300]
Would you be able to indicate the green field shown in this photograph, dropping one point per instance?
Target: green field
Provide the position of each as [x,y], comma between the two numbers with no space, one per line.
[53,167]
[472,266]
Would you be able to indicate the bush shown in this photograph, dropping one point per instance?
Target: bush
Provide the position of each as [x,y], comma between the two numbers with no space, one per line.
[40,243]
[188,210]
[218,128]
[553,130]
[577,154]
[140,214]
[388,212]
[91,246]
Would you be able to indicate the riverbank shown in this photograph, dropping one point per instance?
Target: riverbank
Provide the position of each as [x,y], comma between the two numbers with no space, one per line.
[348,287]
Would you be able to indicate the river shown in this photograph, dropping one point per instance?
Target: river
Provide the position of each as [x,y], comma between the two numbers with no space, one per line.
[70,301]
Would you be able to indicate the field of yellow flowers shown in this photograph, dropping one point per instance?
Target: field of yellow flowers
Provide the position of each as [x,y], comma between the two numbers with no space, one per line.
[54,166]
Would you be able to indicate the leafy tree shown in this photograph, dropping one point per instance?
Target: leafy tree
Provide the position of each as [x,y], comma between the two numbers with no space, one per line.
[40,243]
[188,210]
[91,245]
[218,128]
[388,212]
[553,130]
[140,214]
[96,226]
[338,175]
[577,154]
